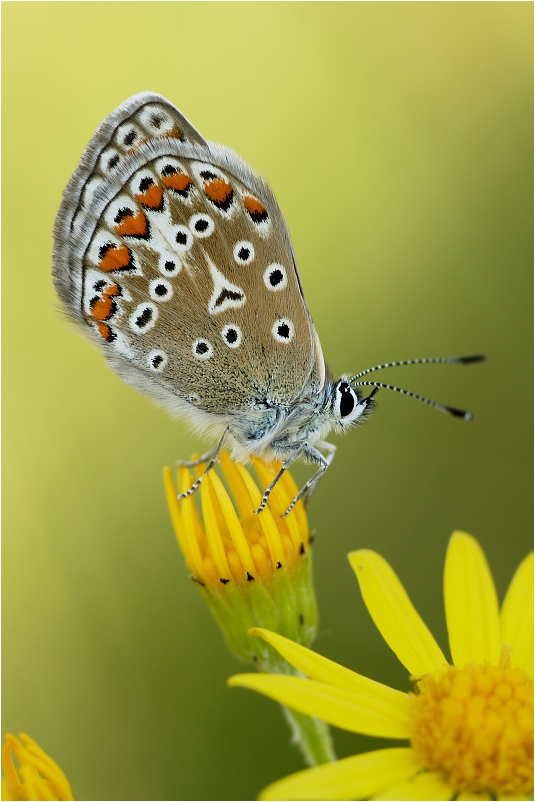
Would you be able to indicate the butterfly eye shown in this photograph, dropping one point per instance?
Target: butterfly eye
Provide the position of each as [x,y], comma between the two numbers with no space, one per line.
[345,400]
[275,277]
[202,349]
[243,252]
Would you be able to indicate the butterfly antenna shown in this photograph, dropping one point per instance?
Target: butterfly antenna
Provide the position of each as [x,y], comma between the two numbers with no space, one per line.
[439,360]
[458,413]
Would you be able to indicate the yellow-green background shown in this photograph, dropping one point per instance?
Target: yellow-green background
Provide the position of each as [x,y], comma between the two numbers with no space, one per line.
[398,139]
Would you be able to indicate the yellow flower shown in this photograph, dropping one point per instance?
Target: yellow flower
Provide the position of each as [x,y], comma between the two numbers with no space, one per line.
[470,724]
[253,570]
[37,777]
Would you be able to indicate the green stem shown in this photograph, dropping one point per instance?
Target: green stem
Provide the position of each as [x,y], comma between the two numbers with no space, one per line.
[312,736]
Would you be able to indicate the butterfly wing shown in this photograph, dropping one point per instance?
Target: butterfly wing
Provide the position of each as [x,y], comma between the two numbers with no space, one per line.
[173,255]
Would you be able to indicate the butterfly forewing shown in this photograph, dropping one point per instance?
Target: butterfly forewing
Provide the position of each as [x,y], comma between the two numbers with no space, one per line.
[175,255]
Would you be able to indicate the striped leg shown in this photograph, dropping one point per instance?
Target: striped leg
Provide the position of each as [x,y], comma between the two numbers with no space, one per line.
[324,463]
[330,448]
[299,449]
[216,454]
[192,463]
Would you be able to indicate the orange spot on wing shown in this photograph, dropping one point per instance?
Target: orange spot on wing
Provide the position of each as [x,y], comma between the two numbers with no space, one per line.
[152,197]
[104,330]
[115,258]
[133,150]
[178,181]
[174,133]
[255,208]
[134,225]
[113,289]
[103,308]
[218,190]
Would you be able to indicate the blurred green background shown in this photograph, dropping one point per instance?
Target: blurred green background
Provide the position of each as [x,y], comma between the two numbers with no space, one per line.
[418,117]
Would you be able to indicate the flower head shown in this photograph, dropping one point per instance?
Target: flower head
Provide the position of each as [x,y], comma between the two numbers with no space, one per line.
[469,723]
[253,570]
[37,777]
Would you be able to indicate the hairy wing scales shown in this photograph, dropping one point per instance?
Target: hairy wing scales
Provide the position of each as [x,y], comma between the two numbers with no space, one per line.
[158,225]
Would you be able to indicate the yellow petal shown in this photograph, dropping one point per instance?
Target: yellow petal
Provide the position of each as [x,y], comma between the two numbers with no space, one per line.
[234,526]
[6,793]
[8,765]
[236,485]
[193,552]
[517,616]
[269,527]
[394,615]
[323,670]
[213,533]
[350,711]
[471,603]
[279,501]
[355,777]
[176,515]
[299,510]
[471,796]
[427,785]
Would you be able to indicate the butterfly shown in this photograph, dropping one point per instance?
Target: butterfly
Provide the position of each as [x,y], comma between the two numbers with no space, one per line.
[172,255]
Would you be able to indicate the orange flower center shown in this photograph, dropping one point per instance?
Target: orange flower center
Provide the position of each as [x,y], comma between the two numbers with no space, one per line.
[475,725]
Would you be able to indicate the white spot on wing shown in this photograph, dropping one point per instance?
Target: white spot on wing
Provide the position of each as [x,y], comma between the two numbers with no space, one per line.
[232,335]
[243,252]
[110,159]
[160,290]
[156,360]
[283,330]
[202,349]
[225,294]
[201,225]
[169,264]
[143,318]
[275,277]
[128,136]
[155,119]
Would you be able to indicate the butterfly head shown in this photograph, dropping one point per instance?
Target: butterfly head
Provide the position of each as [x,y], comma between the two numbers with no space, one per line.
[347,405]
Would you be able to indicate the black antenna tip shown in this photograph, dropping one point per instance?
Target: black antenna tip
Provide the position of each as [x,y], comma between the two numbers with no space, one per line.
[459,413]
[468,360]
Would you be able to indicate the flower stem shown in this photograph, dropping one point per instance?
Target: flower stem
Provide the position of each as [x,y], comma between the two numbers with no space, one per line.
[312,736]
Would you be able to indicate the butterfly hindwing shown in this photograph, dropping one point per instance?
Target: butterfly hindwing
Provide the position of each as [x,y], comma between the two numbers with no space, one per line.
[173,253]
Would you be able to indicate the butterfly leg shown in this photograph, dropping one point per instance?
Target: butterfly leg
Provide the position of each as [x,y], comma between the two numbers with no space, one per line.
[323,462]
[192,463]
[214,458]
[300,448]
[330,448]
